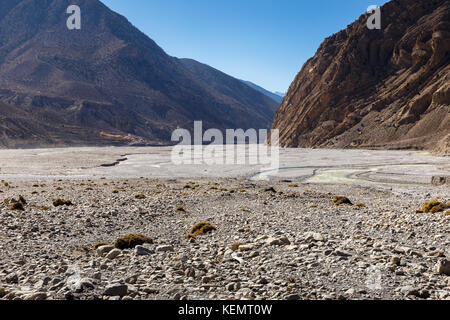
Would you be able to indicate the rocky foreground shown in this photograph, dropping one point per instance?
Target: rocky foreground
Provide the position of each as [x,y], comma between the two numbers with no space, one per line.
[273,240]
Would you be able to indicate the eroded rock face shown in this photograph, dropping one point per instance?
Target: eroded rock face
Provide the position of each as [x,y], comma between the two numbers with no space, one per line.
[387,88]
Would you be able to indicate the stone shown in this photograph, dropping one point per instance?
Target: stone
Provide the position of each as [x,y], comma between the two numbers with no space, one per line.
[113,254]
[396,261]
[206,279]
[103,250]
[440,180]
[350,292]
[165,248]
[142,251]
[87,283]
[314,236]
[190,273]
[293,297]
[285,241]
[132,279]
[246,247]
[117,289]
[443,267]
[342,253]
[273,242]
[12,278]
[408,290]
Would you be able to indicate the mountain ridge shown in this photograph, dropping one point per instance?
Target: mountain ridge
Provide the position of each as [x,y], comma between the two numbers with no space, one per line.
[273,95]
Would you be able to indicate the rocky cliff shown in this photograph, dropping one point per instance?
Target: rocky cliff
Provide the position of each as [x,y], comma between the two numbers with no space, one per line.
[387,88]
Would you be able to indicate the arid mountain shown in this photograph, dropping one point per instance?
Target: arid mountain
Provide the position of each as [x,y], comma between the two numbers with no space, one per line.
[387,88]
[107,83]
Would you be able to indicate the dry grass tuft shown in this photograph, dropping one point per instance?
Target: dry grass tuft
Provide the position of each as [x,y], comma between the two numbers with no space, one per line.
[200,229]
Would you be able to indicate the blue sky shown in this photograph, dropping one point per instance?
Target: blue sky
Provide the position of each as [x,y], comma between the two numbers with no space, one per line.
[263,41]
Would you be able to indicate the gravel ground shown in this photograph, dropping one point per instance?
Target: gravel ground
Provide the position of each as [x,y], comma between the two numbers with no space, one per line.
[273,240]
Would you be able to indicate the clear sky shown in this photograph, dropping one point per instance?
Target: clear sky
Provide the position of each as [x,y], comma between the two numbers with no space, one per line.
[263,41]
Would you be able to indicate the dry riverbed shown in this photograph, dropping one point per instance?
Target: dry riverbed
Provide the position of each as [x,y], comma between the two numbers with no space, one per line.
[273,240]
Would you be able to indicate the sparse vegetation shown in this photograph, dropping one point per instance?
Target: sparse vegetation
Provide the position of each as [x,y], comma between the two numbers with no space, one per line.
[293,185]
[18,206]
[139,196]
[62,202]
[131,240]
[360,205]
[180,209]
[433,206]
[22,200]
[340,201]
[200,229]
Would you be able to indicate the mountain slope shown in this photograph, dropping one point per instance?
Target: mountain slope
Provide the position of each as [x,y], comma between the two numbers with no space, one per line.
[109,77]
[385,88]
[274,96]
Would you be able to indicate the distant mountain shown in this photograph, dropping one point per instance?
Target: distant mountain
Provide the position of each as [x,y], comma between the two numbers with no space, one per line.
[281,94]
[387,88]
[274,96]
[107,83]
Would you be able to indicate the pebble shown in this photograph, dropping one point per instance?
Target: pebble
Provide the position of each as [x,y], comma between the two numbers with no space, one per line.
[165,248]
[142,251]
[443,267]
[113,254]
[116,289]
[103,250]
